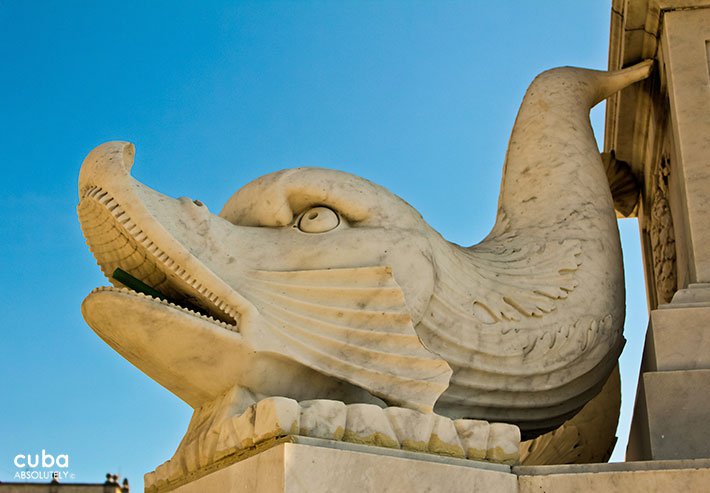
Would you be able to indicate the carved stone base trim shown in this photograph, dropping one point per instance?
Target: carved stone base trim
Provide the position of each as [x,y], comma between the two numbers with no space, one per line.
[694,295]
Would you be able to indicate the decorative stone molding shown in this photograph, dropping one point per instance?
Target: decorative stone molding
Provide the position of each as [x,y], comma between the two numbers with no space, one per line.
[662,235]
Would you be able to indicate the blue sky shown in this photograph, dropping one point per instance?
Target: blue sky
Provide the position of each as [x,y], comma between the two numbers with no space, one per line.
[417,96]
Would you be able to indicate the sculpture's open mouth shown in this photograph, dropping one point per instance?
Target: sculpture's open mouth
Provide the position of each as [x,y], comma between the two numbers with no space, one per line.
[117,242]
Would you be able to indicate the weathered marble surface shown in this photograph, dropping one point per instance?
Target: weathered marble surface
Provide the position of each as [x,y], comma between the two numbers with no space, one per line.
[662,130]
[317,466]
[686,57]
[294,467]
[316,284]
[630,477]
[365,424]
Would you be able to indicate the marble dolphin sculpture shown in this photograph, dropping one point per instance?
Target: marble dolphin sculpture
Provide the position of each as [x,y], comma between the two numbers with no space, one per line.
[317,284]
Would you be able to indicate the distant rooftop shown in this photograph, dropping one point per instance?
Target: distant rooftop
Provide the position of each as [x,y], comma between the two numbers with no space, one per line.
[111,485]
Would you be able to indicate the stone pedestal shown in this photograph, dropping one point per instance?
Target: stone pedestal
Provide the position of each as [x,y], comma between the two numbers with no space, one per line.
[309,465]
[671,413]
[628,477]
[320,466]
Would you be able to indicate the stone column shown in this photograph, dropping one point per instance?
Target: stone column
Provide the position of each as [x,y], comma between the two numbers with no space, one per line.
[663,131]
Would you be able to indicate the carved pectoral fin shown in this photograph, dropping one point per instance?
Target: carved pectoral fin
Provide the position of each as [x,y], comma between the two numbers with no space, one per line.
[352,324]
[522,279]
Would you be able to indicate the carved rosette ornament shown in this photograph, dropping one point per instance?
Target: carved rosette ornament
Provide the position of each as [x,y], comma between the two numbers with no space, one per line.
[662,236]
[313,287]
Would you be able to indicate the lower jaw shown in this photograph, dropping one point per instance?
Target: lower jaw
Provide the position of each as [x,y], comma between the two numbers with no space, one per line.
[198,358]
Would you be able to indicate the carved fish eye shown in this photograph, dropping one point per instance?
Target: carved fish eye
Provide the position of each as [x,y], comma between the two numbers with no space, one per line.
[318,220]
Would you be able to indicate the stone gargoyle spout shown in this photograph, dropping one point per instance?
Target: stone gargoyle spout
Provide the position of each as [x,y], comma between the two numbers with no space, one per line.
[316,284]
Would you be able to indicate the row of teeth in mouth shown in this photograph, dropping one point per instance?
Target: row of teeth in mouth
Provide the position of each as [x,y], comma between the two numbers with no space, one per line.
[163,302]
[134,231]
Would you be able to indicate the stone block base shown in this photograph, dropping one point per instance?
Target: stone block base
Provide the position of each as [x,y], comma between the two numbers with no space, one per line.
[673,397]
[320,466]
[624,477]
[678,403]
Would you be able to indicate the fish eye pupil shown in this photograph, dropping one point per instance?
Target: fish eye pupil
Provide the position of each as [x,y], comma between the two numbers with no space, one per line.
[318,219]
[197,203]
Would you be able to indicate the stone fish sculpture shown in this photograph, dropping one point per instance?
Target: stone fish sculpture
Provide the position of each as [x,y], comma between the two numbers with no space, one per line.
[313,288]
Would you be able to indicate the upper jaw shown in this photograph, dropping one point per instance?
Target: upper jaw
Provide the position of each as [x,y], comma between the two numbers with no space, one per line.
[132,227]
